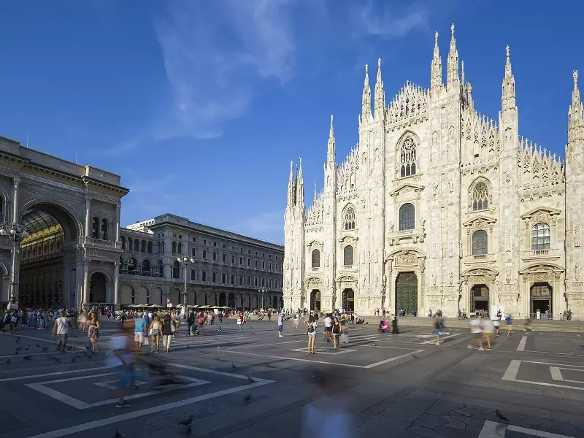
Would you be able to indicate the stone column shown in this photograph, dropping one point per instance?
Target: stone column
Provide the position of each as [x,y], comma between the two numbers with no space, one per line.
[14,271]
[117,224]
[116,283]
[85,281]
[87,216]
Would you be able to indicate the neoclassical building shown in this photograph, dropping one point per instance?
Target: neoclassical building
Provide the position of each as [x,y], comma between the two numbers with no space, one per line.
[440,207]
[61,244]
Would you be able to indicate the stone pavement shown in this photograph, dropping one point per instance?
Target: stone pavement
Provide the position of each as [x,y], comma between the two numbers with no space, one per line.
[249,383]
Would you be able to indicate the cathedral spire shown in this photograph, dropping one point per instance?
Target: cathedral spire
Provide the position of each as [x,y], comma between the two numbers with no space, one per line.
[379,93]
[331,152]
[300,185]
[436,67]
[291,186]
[508,87]
[366,99]
[452,73]
[575,114]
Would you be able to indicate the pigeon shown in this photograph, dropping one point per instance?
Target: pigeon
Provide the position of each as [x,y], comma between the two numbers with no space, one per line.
[247,398]
[37,345]
[250,379]
[185,430]
[233,365]
[17,339]
[8,361]
[500,415]
[186,421]
[27,358]
[118,434]
[74,359]
[45,349]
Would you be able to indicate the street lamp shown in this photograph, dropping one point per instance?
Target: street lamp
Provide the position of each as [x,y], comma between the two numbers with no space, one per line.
[185,261]
[15,232]
[262,291]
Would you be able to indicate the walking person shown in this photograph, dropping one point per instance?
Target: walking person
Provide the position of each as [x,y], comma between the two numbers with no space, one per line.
[336,332]
[509,321]
[167,332]
[93,331]
[190,322]
[61,331]
[280,324]
[328,326]
[139,328]
[438,326]
[311,333]
[154,333]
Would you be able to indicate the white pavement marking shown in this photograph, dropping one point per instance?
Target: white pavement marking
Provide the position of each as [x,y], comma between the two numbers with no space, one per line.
[391,359]
[34,338]
[492,429]
[341,351]
[148,411]
[433,341]
[522,343]
[340,364]
[513,369]
[80,404]
[556,374]
[56,373]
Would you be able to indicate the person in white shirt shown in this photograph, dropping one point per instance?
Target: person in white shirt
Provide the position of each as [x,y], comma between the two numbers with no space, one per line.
[61,331]
[328,326]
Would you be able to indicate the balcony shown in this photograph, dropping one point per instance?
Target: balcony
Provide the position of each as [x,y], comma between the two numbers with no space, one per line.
[539,254]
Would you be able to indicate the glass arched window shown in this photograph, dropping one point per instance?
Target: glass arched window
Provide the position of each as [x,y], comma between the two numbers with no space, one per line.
[407,217]
[480,197]
[315,258]
[146,267]
[479,243]
[173,248]
[349,219]
[175,269]
[540,237]
[348,255]
[408,157]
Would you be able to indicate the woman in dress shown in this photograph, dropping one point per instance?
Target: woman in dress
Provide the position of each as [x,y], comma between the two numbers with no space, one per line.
[93,331]
[311,333]
[154,333]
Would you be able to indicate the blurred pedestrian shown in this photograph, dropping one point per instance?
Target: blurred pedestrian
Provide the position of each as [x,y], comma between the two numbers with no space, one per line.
[93,331]
[280,324]
[61,331]
[311,326]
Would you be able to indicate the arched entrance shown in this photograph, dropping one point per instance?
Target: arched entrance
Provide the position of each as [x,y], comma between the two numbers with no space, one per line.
[540,298]
[348,300]
[231,301]
[274,302]
[315,300]
[47,270]
[97,288]
[479,294]
[222,300]
[406,293]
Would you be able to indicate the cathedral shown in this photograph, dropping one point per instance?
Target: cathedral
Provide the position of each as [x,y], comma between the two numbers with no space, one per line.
[439,207]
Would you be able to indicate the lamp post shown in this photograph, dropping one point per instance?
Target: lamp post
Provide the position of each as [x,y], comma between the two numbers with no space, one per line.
[185,261]
[262,291]
[15,232]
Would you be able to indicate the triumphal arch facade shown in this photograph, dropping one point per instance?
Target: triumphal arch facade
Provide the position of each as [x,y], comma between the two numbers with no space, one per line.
[59,230]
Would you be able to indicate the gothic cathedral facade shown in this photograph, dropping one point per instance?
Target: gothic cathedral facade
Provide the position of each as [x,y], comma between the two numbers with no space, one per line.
[440,207]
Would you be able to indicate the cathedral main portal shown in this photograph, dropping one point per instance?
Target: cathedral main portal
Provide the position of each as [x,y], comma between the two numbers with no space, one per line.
[406,292]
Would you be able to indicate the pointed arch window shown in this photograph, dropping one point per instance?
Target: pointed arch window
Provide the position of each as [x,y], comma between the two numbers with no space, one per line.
[348,255]
[408,157]
[480,243]
[407,217]
[315,259]
[480,196]
[540,237]
[349,219]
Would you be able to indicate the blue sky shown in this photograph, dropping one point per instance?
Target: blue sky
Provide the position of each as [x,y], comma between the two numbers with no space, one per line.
[200,105]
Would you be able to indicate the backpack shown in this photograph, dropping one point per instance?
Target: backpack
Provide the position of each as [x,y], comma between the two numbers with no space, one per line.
[311,328]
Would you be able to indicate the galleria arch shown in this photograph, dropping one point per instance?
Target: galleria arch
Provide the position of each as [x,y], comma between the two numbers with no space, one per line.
[59,225]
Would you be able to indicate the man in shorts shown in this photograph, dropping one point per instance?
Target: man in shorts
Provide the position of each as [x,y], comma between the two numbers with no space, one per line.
[328,327]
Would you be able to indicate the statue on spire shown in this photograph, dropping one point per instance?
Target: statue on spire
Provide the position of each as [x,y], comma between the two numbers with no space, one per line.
[366,99]
[508,92]
[331,152]
[300,185]
[452,73]
[576,114]
[436,67]
[291,186]
[379,93]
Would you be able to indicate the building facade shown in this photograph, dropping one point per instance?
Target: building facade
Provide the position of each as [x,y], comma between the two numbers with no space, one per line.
[221,268]
[61,244]
[440,207]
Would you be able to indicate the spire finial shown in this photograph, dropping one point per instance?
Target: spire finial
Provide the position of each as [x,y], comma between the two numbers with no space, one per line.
[435,39]
[508,51]
[332,128]
[575,78]
[452,73]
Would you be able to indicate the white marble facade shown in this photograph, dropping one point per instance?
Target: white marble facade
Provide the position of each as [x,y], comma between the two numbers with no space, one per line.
[440,207]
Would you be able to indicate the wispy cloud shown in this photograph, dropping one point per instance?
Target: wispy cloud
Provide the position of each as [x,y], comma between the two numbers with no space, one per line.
[268,225]
[386,21]
[215,53]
